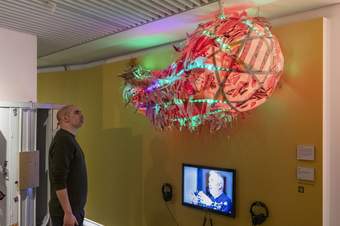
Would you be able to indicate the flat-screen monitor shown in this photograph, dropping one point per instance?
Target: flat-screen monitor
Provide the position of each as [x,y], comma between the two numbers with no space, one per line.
[209,188]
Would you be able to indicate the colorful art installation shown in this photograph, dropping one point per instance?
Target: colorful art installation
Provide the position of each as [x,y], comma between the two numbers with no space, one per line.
[226,67]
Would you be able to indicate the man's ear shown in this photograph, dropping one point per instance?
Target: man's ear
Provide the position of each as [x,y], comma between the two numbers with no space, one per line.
[66,118]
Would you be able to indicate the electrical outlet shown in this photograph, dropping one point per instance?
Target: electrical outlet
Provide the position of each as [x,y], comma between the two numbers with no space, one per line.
[301,189]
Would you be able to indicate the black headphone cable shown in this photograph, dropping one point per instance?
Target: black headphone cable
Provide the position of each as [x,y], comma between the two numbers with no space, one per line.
[173,217]
[205,219]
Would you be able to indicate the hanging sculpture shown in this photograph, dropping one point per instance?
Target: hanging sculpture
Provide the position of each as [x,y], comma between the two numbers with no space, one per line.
[227,66]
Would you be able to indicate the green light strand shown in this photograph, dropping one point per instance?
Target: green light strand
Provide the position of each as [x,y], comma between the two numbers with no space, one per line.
[223,45]
[141,73]
[128,92]
[196,120]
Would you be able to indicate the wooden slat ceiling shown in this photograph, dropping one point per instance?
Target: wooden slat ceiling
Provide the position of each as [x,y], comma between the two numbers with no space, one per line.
[63,24]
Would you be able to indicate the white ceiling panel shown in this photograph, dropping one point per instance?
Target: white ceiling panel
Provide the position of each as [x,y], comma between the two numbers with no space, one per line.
[82,31]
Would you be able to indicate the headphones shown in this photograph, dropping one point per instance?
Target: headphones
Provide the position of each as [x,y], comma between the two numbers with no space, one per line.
[258,218]
[167,192]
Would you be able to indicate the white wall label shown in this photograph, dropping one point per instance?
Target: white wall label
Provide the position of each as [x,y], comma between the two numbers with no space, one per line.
[305,152]
[305,173]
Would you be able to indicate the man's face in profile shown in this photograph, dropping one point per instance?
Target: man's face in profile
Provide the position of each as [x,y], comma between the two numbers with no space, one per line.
[75,116]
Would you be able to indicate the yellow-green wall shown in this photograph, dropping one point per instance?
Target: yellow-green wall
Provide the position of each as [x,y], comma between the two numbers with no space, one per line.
[128,161]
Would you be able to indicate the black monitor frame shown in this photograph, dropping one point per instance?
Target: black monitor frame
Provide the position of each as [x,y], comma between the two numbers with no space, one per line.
[233,171]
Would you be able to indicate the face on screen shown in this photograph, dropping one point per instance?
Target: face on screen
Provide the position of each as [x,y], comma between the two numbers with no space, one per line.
[215,183]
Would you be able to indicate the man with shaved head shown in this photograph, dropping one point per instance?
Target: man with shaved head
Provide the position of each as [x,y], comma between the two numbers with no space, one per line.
[67,170]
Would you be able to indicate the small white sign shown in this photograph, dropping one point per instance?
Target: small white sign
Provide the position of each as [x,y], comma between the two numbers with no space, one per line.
[305,152]
[305,173]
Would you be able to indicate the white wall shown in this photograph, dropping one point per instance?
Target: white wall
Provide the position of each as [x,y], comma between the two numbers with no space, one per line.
[18,66]
[331,100]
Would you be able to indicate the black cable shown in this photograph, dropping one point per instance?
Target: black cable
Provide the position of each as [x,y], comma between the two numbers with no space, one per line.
[210,220]
[204,220]
[207,218]
[166,204]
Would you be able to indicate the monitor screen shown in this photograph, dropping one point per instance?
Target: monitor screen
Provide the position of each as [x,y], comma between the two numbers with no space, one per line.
[209,188]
